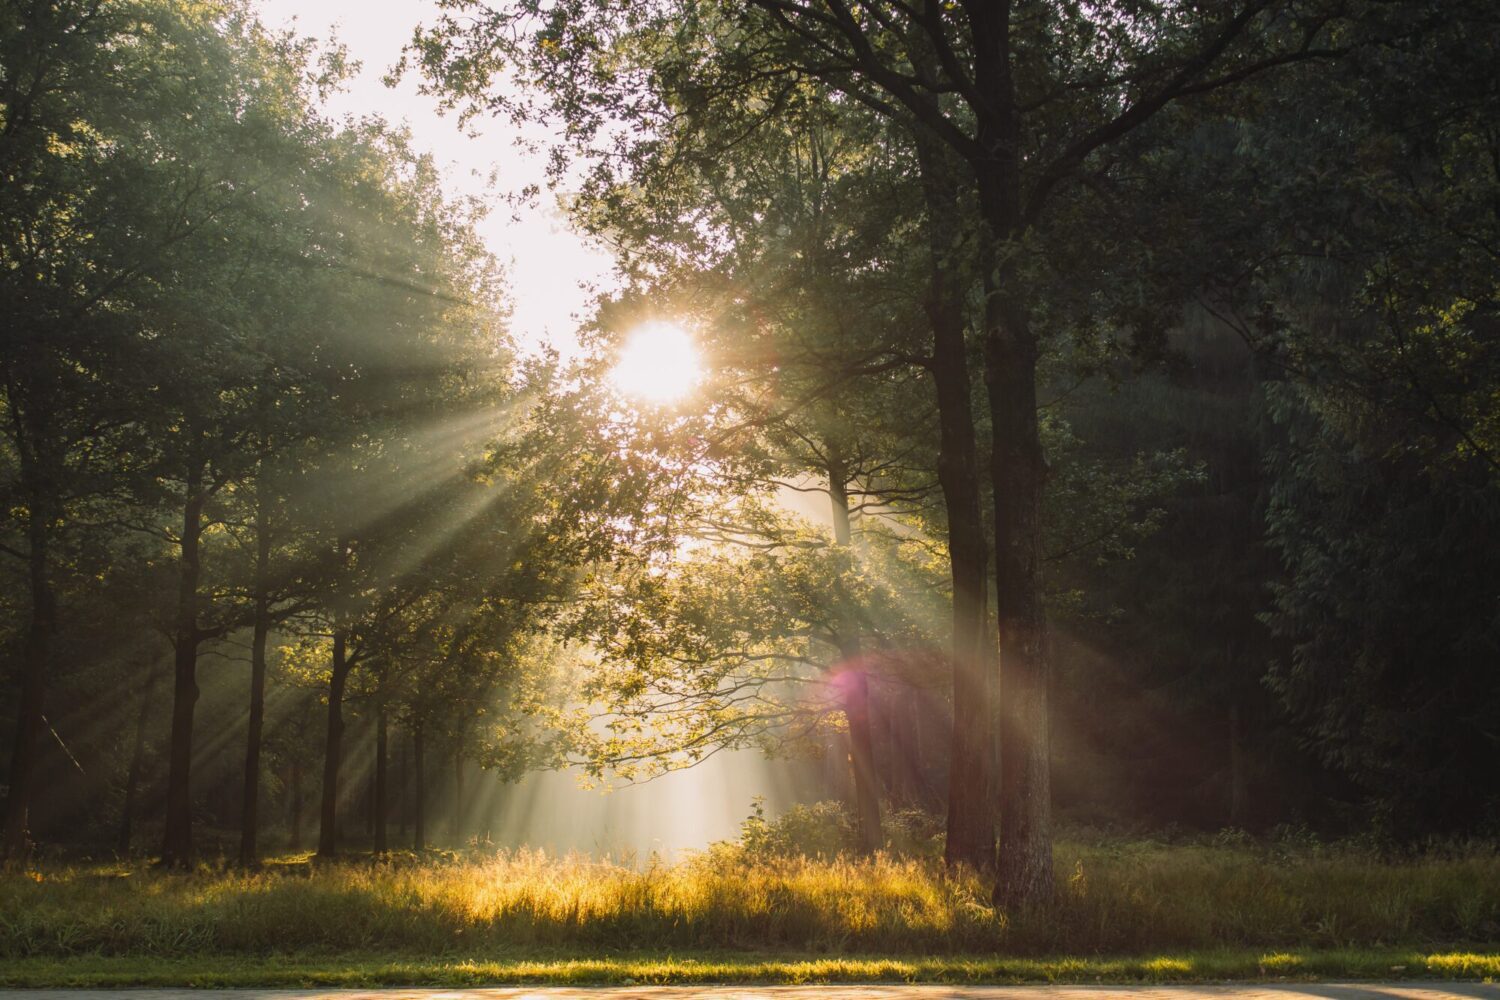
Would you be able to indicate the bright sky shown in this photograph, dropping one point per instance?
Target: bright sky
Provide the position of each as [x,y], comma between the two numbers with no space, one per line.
[548,263]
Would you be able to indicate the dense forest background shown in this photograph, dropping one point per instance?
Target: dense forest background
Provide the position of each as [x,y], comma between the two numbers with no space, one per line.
[300,550]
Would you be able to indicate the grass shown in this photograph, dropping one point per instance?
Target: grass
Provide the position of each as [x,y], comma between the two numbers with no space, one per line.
[368,970]
[1195,912]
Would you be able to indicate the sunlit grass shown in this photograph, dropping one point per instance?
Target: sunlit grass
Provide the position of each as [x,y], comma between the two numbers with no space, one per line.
[1114,899]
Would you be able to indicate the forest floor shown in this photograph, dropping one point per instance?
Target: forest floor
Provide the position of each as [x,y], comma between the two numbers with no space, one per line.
[1126,911]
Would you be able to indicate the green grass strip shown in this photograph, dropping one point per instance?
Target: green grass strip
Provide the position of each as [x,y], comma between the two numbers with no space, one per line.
[368,970]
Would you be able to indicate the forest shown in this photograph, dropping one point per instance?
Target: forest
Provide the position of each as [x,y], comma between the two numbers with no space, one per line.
[1062,439]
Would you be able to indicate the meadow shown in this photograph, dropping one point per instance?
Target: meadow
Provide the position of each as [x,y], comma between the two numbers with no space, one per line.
[1125,909]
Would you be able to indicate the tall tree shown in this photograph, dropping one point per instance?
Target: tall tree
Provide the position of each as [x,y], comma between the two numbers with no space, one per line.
[1030,98]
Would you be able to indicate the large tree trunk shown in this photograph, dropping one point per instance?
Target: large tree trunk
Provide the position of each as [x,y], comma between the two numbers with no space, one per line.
[1017,470]
[1025,862]
[971,828]
[853,684]
[260,629]
[328,841]
[177,838]
[382,807]
[137,763]
[35,666]
[419,797]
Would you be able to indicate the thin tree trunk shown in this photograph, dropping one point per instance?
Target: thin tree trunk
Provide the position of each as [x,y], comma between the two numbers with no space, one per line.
[855,686]
[368,801]
[328,840]
[419,799]
[903,706]
[403,782]
[853,683]
[260,629]
[883,737]
[381,755]
[35,667]
[177,838]
[137,763]
[295,841]
[458,795]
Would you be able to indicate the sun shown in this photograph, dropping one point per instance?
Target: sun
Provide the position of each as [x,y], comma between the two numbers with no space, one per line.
[659,364]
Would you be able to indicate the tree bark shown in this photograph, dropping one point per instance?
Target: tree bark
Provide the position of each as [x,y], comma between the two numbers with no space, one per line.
[419,798]
[970,828]
[35,667]
[260,630]
[177,838]
[1017,470]
[853,683]
[328,841]
[1025,859]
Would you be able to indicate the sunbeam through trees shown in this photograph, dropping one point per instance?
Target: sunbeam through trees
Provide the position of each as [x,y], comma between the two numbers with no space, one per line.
[1028,460]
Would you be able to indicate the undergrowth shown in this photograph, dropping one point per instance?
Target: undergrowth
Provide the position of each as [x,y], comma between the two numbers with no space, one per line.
[1114,897]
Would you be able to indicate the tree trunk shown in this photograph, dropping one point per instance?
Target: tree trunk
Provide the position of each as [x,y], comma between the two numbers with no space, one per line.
[458,795]
[971,828]
[260,629]
[403,782]
[1025,862]
[853,683]
[419,798]
[295,840]
[35,667]
[855,687]
[368,801]
[177,838]
[1017,470]
[328,841]
[381,754]
[883,736]
[137,763]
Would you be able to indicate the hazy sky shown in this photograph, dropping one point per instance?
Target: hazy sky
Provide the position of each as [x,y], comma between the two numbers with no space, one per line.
[547,262]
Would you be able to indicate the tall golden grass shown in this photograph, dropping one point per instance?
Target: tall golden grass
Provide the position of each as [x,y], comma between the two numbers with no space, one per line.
[1112,898]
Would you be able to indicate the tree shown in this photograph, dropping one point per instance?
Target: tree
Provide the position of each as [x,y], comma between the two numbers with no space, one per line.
[1028,97]
[104,183]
